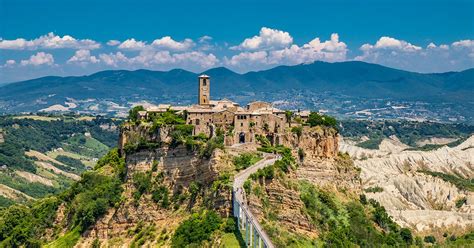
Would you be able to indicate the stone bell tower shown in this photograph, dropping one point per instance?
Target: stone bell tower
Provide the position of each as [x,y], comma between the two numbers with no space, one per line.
[204,90]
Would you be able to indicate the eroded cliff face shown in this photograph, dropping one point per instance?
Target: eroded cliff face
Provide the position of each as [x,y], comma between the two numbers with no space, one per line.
[316,142]
[424,203]
[279,201]
[174,168]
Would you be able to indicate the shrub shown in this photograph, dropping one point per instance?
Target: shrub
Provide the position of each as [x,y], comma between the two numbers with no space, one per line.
[216,142]
[245,160]
[297,130]
[91,197]
[160,195]
[142,182]
[375,189]
[406,235]
[316,119]
[166,118]
[133,113]
[198,228]
[430,239]
[460,202]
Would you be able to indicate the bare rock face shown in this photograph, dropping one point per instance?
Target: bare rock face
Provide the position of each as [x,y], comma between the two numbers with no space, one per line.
[316,142]
[414,199]
[285,203]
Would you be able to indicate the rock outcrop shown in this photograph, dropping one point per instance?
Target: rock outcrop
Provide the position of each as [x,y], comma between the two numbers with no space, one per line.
[417,200]
[177,167]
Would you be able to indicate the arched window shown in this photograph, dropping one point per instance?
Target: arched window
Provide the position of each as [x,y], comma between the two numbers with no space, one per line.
[197,121]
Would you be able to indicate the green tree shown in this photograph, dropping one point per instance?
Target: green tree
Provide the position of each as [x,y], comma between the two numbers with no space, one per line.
[289,116]
[133,113]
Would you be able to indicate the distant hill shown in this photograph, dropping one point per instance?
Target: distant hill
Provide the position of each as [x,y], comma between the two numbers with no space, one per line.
[355,79]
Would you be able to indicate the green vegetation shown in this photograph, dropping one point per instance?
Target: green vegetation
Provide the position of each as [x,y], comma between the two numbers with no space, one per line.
[85,201]
[5,202]
[461,201]
[298,130]
[316,119]
[430,239]
[68,240]
[142,182]
[352,223]
[33,189]
[54,136]
[375,189]
[142,234]
[245,160]
[25,225]
[196,229]
[461,183]
[466,240]
[76,164]
[371,143]
[409,132]
[133,113]
[160,195]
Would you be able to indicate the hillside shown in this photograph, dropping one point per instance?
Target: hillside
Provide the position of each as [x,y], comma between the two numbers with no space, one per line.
[42,155]
[114,91]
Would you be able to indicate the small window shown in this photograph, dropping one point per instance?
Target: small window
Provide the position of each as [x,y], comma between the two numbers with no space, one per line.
[241,124]
[197,121]
[204,83]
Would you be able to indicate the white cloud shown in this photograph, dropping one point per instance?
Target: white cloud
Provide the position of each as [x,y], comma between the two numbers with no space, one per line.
[113,59]
[205,38]
[9,63]
[49,41]
[132,44]
[266,40]
[330,50]
[433,58]
[389,43]
[167,43]
[39,58]
[113,43]
[464,43]
[162,59]
[83,57]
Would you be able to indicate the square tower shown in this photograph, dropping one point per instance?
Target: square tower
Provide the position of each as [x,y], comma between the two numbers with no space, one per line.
[204,96]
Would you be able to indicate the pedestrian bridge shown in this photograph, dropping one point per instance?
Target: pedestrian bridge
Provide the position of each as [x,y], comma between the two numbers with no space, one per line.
[253,233]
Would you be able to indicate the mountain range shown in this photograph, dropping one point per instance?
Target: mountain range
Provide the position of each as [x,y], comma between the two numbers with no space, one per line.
[354,79]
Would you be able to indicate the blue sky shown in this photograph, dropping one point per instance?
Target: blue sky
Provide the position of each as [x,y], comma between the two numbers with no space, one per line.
[66,37]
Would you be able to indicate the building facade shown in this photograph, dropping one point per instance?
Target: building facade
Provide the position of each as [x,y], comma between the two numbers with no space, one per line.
[239,124]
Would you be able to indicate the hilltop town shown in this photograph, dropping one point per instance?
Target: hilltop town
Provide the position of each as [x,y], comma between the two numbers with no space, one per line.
[256,119]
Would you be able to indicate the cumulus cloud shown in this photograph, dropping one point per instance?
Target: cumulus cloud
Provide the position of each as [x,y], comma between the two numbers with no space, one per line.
[149,58]
[330,50]
[113,43]
[267,39]
[132,44]
[389,43]
[168,43]
[113,59]
[83,57]
[404,55]
[49,41]
[40,58]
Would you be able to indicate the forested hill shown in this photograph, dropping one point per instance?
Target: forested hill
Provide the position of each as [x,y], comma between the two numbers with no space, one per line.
[355,79]
[40,155]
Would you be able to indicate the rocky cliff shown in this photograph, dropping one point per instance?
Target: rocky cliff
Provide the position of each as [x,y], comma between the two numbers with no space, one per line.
[174,169]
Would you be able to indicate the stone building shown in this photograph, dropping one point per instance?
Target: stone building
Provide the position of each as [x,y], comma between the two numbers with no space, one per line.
[240,124]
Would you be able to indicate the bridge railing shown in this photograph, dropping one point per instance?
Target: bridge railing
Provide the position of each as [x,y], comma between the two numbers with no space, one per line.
[255,236]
